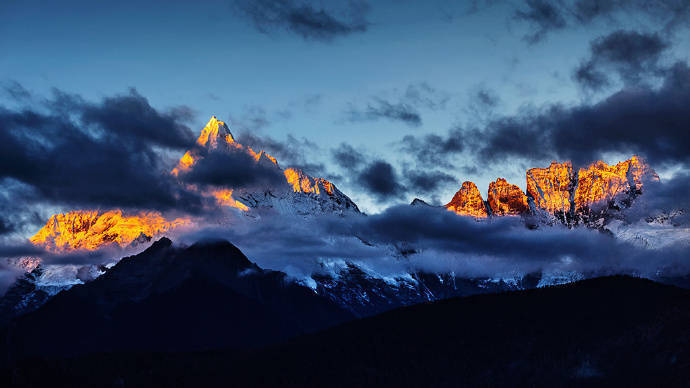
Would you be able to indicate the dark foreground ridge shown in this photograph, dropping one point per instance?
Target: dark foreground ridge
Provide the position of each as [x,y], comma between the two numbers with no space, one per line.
[602,332]
[206,296]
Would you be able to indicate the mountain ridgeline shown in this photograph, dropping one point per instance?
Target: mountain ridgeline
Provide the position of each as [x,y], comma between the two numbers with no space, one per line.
[167,298]
[289,190]
[558,193]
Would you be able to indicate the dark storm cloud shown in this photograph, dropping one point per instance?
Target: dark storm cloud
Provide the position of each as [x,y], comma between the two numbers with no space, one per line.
[72,152]
[311,20]
[630,54]
[651,122]
[543,16]
[426,181]
[379,108]
[434,150]
[235,169]
[347,157]
[380,179]
[129,117]
[547,16]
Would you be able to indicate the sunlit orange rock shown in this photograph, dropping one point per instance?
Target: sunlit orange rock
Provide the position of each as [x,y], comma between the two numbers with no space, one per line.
[506,199]
[468,201]
[215,133]
[600,183]
[93,229]
[304,183]
[551,187]
[184,164]
[224,197]
[262,154]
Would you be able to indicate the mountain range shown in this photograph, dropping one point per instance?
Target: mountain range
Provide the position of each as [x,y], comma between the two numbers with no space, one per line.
[557,193]
[590,197]
[206,303]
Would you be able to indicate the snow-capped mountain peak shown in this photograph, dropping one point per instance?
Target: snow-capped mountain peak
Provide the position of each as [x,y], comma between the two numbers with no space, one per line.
[214,133]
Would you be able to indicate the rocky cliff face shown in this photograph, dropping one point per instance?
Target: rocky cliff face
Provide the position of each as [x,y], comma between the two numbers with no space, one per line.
[599,184]
[559,194]
[551,187]
[91,230]
[506,199]
[468,201]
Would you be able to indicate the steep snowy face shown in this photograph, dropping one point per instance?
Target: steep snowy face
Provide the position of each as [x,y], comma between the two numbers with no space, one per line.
[468,202]
[93,229]
[301,194]
[506,199]
[600,183]
[551,187]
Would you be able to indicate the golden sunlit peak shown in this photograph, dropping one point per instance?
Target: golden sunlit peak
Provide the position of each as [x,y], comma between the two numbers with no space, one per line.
[213,131]
[468,202]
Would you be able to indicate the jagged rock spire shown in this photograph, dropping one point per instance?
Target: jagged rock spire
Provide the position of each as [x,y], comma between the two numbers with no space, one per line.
[215,132]
[468,201]
[506,199]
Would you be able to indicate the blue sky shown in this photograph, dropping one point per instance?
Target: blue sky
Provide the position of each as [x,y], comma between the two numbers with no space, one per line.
[212,58]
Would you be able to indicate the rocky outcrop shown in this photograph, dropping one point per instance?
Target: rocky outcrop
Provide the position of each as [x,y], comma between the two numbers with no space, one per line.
[556,194]
[94,229]
[468,201]
[505,199]
[551,187]
[600,184]
[304,183]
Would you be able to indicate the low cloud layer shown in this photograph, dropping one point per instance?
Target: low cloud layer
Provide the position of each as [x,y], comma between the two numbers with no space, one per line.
[442,242]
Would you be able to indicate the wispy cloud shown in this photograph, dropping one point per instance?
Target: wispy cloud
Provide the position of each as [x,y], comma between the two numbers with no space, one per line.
[311,20]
